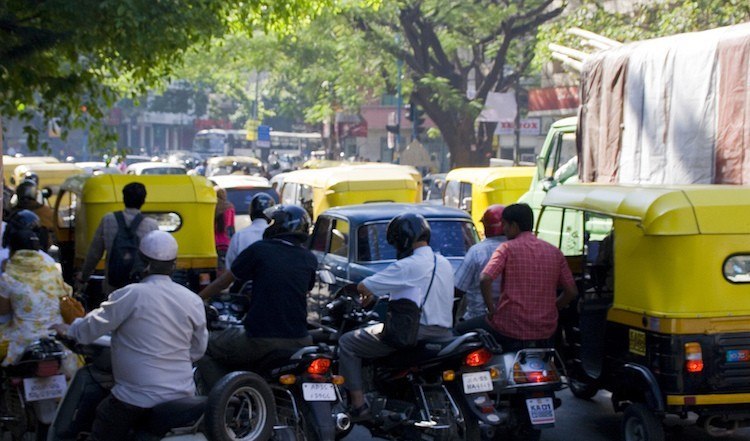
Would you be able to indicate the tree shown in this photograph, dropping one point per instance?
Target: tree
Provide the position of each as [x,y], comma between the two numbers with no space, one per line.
[58,56]
[449,46]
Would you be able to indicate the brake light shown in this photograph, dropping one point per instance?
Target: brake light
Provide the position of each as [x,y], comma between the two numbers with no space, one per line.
[47,368]
[478,357]
[545,376]
[319,366]
[693,357]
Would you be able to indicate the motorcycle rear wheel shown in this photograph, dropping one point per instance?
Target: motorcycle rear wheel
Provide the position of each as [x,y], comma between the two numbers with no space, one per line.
[240,407]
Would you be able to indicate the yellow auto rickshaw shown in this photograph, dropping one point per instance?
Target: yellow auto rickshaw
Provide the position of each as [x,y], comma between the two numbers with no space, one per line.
[227,165]
[473,189]
[663,318]
[182,205]
[11,162]
[51,176]
[320,189]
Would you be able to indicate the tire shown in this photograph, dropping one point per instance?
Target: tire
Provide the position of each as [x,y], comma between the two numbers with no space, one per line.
[41,431]
[240,407]
[640,424]
[582,390]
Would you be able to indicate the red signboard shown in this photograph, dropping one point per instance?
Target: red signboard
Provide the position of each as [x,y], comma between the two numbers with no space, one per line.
[553,98]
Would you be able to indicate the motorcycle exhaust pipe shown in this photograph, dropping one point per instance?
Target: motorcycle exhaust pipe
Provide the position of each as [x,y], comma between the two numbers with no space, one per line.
[343,422]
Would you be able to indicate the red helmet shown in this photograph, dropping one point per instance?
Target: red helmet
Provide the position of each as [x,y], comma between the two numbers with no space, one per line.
[492,220]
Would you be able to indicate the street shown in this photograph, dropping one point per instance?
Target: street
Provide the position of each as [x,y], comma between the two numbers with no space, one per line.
[594,421]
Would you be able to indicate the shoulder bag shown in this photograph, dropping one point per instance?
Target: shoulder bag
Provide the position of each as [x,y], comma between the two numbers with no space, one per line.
[401,325]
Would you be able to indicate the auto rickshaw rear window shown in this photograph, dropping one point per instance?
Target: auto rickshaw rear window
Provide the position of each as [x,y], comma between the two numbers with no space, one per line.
[168,221]
[737,268]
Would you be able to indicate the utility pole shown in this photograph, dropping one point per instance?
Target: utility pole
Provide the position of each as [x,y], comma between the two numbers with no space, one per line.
[517,145]
[399,102]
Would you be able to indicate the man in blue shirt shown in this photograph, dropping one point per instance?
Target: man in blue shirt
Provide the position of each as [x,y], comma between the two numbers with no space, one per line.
[282,272]
[467,275]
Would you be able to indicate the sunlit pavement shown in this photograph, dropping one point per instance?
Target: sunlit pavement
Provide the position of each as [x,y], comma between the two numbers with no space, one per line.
[594,420]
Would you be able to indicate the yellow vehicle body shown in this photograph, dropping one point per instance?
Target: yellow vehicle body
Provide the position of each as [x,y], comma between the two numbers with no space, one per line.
[10,163]
[411,170]
[183,205]
[679,292]
[322,163]
[473,189]
[320,189]
[226,165]
[51,175]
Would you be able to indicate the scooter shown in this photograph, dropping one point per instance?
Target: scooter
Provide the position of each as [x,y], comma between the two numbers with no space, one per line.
[31,389]
[239,407]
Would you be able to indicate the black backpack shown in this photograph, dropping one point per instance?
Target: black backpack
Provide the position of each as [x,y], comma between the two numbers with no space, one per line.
[123,260]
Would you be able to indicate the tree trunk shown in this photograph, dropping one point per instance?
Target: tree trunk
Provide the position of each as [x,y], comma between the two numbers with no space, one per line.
[463,145]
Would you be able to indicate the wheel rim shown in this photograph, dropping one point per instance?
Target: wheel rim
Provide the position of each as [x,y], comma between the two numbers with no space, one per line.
[245,414]
[634,430]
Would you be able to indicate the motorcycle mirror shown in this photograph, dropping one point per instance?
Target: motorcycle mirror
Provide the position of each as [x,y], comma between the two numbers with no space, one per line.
[327,277]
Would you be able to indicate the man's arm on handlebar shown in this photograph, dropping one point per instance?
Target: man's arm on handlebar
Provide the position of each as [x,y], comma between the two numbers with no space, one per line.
[221,283]
[485,285]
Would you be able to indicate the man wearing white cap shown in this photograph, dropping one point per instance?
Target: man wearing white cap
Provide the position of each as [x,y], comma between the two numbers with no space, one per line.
[158,330]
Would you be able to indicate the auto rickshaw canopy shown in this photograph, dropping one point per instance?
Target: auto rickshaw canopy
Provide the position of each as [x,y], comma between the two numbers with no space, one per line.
[11,162]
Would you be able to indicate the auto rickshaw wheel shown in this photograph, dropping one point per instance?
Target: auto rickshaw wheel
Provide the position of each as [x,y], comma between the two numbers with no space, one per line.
[581,389]
[640,424]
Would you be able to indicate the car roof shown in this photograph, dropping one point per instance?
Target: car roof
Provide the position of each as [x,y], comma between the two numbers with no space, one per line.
[384,211]
[240,181]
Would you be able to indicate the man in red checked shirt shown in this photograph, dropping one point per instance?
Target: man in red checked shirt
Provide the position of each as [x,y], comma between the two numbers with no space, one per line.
[532,270]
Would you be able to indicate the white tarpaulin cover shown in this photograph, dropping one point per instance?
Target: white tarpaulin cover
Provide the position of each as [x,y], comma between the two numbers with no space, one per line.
[673,110]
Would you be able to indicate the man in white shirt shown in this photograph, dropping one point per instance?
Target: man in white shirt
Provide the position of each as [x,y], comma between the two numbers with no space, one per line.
[407,278]
[158,330]
[254,232]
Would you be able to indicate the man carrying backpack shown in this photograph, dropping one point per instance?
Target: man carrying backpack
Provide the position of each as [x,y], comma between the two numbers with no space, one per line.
[119,233]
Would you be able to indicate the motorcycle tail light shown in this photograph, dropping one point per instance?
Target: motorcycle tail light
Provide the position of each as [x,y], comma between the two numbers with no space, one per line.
[478,357]
[47,368]
[287,379]
[494,373]
[545,376]
[319,366]
[693,357]
[449,375]
[338,380]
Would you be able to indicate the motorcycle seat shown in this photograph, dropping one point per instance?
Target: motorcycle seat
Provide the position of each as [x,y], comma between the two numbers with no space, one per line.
[424,350]
[183,412]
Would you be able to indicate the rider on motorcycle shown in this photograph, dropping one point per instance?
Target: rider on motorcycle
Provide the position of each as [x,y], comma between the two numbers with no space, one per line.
[158,330]
[409,277]
[28,198]
[283,272]
[254,232]
[30,287]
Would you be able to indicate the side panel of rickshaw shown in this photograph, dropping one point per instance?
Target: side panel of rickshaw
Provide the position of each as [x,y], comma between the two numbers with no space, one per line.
[182,205]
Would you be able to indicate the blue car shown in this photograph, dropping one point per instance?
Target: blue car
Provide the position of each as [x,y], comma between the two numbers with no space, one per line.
[350,241]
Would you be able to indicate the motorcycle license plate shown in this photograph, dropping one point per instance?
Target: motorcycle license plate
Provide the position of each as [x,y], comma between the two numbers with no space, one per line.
[44,388]
[318,392]
[541,410]
[476,382]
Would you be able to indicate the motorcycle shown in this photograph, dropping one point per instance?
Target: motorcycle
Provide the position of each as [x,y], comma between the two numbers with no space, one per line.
[304,386]
[240,407]
[413,393]
[31,389]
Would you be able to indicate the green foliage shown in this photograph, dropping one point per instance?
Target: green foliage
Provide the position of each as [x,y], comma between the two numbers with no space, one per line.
[646,20]
[58,56]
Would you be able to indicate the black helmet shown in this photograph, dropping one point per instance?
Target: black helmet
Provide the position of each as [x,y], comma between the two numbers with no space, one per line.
[404,230]
[31,176]
[288,220]
[26,190]
[259,203]
[24,231]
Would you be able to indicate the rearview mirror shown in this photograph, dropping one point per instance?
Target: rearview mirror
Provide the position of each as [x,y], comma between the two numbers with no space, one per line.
[548,184]
[326,277]
[46,193]
[466,204]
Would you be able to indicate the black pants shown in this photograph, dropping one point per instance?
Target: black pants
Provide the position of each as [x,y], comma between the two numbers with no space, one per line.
[115,419]
[509,344]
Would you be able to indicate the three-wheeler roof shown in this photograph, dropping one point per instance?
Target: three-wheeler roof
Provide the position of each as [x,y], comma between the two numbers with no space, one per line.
[159,188]
[228,160]
[491,176]
[663,210]
[354,178]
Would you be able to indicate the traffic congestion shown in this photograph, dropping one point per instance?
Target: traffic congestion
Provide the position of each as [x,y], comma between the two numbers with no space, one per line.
[439,238]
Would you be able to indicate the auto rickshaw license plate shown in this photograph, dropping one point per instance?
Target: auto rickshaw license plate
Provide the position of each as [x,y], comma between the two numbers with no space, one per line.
[476,382]
[318,392]
[637,342]
[541,410]
[44,388]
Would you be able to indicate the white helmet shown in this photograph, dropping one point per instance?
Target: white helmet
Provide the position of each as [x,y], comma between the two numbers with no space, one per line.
[159,245]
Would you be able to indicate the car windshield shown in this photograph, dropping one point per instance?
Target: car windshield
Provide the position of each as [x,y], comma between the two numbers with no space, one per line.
[241,197]
[451,238]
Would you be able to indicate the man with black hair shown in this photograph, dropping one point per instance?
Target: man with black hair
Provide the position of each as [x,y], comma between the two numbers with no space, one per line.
[532,270]
[134,196]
